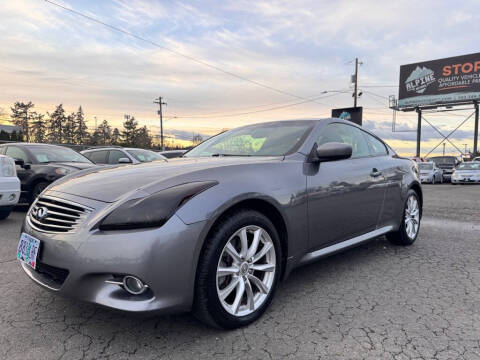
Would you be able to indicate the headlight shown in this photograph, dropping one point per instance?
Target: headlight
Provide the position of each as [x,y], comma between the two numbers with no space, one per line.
[62,171]
[7,167]
[153,210]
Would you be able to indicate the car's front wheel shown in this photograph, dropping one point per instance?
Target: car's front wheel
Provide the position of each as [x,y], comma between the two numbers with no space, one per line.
[410,226]
[238,270]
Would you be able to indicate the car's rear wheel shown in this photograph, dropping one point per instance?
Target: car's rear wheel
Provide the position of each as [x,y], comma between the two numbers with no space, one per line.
[238,270]
[410,226]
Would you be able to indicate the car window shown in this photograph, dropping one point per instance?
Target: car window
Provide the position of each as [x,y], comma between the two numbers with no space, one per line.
[145,155]
[98,157]
[377,147]
[346,134]
[115,155]
[17,153]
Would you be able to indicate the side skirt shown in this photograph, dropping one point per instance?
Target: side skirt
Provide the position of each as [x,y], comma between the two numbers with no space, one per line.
[329,250]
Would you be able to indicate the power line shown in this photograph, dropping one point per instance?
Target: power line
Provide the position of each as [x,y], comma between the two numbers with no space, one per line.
[191,58]
[256,111]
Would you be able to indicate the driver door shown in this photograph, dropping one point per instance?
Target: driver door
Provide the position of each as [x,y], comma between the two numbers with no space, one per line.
[344,196]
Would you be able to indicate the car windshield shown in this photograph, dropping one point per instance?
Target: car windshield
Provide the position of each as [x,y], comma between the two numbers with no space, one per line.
[47,154]
[469,166]
[270,139]
[145,155]
[425,166]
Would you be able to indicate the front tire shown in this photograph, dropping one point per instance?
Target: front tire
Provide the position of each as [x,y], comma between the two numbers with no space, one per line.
[410,226]
[5,212]
[37,190]
[238,270]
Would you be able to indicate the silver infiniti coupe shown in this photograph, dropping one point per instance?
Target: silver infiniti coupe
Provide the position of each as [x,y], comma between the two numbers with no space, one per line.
[216,230]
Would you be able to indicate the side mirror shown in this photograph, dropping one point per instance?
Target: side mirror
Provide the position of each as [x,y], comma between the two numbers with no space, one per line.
[124,160]
[22,164]
[333,151]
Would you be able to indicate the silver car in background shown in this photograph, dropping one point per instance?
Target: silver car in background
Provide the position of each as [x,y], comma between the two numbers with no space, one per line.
[467,172]
[430,172]
[119,155]
[216,230]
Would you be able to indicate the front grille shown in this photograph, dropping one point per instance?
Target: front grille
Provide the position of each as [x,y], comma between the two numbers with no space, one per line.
[56,215]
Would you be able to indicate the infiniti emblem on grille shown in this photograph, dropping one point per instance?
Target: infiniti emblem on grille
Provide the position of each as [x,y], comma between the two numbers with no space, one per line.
[42,213]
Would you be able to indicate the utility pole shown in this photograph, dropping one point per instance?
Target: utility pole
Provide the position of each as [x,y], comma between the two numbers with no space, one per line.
[95,123]
[443,149]
[355,81]
[465,148]
[160,103]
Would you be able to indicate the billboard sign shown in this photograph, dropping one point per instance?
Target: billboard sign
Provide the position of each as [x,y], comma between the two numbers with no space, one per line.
[353,114]
[438,82]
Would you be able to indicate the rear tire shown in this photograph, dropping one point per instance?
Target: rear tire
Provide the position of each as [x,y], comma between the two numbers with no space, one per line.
[410,226]
[214,308]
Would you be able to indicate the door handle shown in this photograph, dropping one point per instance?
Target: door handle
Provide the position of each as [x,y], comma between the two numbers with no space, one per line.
[375,173]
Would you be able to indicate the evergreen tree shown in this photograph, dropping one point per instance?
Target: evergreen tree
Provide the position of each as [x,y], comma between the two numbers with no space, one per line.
[21,116]
[143,139]
[129,132]
[56,125]
[116,136]
[81,129]
[69,129]
[38,128]
[104,133]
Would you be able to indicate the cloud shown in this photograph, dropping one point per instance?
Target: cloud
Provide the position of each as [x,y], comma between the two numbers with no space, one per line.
[302,47]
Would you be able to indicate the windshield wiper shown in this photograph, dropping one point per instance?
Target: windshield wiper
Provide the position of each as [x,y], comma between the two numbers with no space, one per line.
[219,155]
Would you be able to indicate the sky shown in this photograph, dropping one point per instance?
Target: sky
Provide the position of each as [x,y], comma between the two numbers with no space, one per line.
[302,49]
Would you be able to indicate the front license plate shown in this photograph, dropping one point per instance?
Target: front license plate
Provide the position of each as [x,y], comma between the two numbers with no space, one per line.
[27,250]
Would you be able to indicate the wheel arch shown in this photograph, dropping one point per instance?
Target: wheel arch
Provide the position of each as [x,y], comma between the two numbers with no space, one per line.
[415,186]
[264,207]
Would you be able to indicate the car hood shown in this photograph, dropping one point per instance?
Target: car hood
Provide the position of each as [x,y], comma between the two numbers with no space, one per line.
[109,184]
[466,171]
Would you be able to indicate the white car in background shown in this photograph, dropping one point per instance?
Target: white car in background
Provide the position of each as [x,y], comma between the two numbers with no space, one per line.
[467,172]
[430,172]
[9,186]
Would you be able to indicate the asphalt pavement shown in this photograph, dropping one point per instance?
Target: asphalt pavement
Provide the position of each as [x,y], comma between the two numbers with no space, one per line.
[376,301]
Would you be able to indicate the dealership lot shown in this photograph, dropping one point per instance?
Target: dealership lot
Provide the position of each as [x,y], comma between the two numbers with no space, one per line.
[376,301]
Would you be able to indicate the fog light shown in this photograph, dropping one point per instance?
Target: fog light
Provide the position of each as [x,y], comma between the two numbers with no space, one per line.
[134,285]
[12,197]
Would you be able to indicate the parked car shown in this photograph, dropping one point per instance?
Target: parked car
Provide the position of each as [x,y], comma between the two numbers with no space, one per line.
[9,186]
[477,159]
[118,155]
[430,172]
[38,165]
[216,230]
[467,172]
[447,164]
[170,154]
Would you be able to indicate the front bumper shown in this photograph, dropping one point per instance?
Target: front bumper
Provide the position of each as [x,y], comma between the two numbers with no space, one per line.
[9,191]
[164,258]
[426,178]
[465,180]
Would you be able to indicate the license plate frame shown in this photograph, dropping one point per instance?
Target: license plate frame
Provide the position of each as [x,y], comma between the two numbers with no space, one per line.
[28,249]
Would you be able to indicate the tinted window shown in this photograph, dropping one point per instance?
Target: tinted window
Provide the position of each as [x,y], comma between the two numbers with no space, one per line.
[115,155]
[98,157]
[17,153]
[376,146]
[346,134]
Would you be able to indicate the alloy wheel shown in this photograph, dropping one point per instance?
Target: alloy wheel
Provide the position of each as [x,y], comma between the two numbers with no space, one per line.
[412,217]
[246,270]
